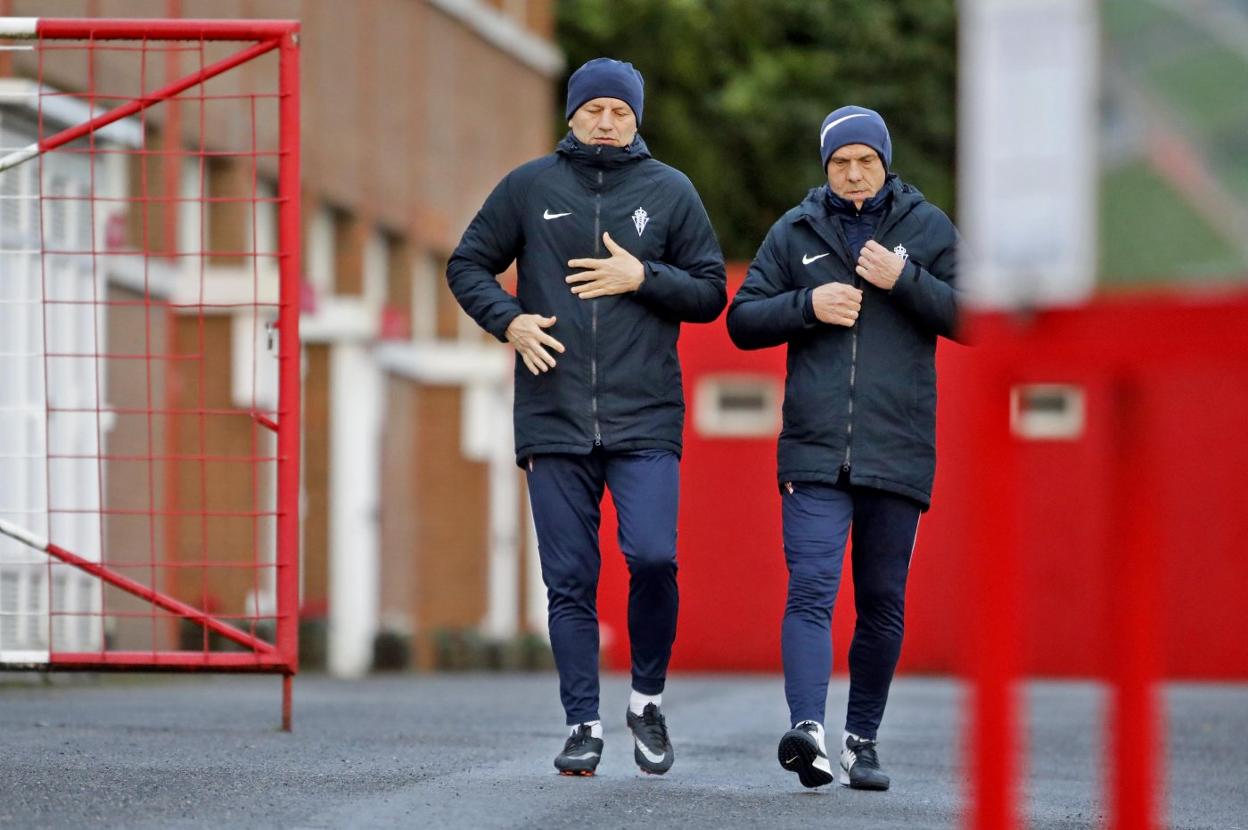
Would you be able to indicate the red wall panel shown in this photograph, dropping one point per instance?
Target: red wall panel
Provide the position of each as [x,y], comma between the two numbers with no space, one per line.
[1187,362]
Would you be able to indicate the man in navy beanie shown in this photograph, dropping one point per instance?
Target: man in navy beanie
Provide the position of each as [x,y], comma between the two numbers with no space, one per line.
[858,281]
[614,251]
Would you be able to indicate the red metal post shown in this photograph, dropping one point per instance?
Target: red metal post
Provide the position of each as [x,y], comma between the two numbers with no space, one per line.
[994,619]
[287,695]
[289,359]
[1134,736]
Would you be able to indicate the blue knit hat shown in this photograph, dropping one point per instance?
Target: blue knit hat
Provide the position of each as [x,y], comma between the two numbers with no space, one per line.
[606,78]
[854,125]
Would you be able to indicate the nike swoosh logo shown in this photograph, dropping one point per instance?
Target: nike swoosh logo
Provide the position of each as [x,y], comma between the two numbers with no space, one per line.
[807,259]
[840,120]
[548,215]
[650,756]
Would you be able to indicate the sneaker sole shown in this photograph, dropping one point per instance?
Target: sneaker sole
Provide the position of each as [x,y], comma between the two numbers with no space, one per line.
[578,766]
[577,773]
[842,778]
[798,754]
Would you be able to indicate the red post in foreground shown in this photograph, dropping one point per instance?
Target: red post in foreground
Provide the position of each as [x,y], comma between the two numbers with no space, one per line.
[1134,736]
[991,615]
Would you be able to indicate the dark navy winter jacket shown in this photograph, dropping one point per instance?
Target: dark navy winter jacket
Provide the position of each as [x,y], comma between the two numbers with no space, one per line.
[858,400]
[618,384]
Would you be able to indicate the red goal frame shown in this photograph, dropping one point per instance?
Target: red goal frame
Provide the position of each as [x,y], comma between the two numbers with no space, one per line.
[256,38]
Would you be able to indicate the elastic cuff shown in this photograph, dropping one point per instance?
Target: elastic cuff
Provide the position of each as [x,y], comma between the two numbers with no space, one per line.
[808,308]
[866,733]
[501,333]
[909,275]
[796,717]
[647,280]
[648,686]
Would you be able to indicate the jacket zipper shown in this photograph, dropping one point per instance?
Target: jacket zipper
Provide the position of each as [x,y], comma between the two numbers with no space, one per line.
[853,372]
[593,326]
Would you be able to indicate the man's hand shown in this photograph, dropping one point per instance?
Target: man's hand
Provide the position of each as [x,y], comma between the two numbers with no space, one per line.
[837,303]
[621,274]
[879,266]
[525,332]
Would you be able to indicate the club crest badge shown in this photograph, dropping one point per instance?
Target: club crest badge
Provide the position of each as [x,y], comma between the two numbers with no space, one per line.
[640,218]
[901,251]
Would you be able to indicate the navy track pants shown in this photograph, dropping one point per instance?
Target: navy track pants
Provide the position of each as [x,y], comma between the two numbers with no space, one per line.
[566,494]
[817,520]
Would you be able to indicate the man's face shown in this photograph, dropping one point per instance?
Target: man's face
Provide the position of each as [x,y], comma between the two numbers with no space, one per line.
[856,173]
[607,121]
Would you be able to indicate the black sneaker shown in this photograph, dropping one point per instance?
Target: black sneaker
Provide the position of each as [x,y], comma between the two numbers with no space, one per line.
[651,748]
[580,754]
[860,766]
[802,751]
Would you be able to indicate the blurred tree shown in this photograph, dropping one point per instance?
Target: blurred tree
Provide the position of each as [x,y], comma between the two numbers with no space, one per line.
[736,91]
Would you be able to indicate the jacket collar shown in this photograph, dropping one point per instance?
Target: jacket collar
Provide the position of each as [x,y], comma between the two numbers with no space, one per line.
[817,210]
[600,156]
[896,197]
[599,167]
[844,207]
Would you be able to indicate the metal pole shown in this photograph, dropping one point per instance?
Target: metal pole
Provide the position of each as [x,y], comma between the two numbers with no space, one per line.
[290,362]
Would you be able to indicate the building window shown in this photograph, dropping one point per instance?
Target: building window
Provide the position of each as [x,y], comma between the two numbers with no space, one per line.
[319,266]
[264,221]
[397,312]
[424,297]
[737,406]
[349,245]
[1047,411]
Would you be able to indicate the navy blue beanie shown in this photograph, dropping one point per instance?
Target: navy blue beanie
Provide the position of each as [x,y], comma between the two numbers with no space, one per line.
[854,125]
[606,78]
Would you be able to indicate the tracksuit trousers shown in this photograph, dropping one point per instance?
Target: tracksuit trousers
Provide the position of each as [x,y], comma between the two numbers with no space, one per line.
[566,494]
[817,520]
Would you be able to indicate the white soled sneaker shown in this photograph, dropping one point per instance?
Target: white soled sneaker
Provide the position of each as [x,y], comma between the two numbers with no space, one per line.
[860,765]
[803,751]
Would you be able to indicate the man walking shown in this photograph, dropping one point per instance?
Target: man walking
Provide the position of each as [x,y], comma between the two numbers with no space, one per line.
[858,281]
[614,250]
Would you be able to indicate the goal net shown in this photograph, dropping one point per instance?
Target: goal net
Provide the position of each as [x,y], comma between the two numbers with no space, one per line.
[149,351]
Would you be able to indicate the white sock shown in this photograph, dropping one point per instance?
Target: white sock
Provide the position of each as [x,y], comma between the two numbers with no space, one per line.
[595,728]
[816,723]
[637,702]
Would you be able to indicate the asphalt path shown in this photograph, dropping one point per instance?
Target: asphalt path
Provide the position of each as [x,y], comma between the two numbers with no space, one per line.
[475,751]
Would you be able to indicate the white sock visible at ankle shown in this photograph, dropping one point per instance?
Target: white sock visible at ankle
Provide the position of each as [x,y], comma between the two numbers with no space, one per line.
[637,701]
[815,722]
[595,728]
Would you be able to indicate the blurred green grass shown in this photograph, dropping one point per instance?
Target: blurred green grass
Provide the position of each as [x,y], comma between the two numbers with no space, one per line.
[1149,235]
